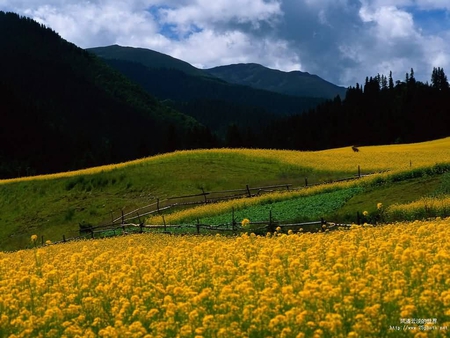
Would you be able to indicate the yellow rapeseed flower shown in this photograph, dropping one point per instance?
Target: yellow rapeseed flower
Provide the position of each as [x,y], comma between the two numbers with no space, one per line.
[319,284]
[245,222]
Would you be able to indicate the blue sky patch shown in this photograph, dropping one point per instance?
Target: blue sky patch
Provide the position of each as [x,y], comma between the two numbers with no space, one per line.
[170,30]
[431,21]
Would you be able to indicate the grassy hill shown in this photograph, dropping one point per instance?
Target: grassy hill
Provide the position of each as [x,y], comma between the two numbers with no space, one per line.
[54,205]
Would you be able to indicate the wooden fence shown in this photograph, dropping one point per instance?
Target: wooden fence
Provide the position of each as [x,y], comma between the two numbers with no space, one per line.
[259,227]
[161,205]
[133,221]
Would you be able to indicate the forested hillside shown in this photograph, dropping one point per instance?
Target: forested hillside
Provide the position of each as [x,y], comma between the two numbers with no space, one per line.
[214,102]
[379,112]
[63,108]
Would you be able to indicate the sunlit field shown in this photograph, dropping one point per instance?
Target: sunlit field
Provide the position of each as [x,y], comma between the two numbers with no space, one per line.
[53,206]
[387,281]
[423,208]
[370,158]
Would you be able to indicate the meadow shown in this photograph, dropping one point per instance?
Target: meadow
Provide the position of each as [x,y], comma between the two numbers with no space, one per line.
[54,205]
[387,281]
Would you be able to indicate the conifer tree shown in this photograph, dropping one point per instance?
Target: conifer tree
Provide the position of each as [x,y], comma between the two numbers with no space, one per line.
[391,81]
[439,79]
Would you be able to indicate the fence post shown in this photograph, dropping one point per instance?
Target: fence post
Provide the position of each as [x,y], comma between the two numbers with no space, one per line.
[92,233]
[322,224]
[358,218]
[306,181]
[123,223]
[42,240]
[198,227]
[164,222]
[233,221]
[64,238]
[248,191]
[141,228]
[359,171]
[270,225]
[139,216]
[157,205]
[204,195]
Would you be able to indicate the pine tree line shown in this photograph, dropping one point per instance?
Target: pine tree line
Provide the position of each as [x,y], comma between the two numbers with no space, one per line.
[377,112]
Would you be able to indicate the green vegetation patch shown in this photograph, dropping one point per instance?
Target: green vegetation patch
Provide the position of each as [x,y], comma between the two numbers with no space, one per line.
[389,193]
[298,209]
[54,208]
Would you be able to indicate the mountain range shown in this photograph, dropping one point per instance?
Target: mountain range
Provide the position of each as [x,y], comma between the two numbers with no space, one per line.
[212,101]
[66,108]
[295,83]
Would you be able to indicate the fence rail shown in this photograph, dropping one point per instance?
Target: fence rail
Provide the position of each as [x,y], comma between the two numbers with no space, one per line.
[199,228]
[200,198]
[206,197]
[126,222]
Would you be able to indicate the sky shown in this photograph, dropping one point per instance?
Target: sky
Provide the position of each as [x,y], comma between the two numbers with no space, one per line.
[342,41]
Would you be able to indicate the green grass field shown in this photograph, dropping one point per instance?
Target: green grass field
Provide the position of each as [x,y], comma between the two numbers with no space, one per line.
[53,206]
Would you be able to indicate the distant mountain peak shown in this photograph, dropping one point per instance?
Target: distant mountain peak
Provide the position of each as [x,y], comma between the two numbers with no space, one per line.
[296,82]
[146,57]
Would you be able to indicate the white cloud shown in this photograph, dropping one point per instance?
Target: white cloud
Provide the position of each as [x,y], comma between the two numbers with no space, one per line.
[233,47]
[433,4]
[438,51]
[391,23]
[418,4]
[88,24]
[207,12]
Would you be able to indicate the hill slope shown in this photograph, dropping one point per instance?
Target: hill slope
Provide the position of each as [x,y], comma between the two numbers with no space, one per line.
[291,83]
[198,94]
[146,57]
[52,206]
[63,108]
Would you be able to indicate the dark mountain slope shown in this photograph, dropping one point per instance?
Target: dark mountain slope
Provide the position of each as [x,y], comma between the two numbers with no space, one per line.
[204,97]
[291,83]
[64,109]
[146,57]
[176,85]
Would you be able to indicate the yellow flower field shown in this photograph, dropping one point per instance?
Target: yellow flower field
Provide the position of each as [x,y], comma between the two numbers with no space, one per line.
[371,158]
[423,208]
[390,281]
